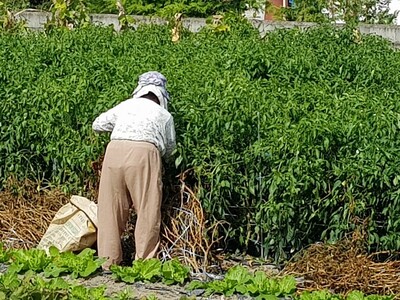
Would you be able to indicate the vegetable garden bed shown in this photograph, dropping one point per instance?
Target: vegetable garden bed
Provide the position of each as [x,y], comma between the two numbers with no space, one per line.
[32,274]
[283,141]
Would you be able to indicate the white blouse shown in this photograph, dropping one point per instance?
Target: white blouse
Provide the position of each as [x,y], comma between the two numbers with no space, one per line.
[139,119]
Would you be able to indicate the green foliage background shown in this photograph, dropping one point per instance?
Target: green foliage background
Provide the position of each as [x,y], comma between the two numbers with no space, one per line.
[355,11]
[295,135]
[193,8]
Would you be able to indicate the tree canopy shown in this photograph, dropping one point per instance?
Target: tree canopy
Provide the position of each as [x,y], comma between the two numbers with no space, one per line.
[194,8]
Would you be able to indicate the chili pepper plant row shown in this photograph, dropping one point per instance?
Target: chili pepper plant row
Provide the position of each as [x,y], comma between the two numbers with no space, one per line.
[291,138]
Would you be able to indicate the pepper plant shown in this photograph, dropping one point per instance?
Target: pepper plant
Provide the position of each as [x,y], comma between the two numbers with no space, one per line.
[291,138]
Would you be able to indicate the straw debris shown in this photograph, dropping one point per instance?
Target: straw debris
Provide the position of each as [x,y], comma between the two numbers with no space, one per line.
[187,234]
[26,210]
[344,267]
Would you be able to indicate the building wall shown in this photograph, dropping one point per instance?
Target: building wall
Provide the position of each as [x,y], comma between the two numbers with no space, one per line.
[35,20]
[277,3]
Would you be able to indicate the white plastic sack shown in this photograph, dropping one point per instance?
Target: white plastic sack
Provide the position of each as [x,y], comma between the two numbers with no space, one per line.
[73,228]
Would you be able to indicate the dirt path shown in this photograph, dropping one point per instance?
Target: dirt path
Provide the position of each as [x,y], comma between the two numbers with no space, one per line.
[139,289]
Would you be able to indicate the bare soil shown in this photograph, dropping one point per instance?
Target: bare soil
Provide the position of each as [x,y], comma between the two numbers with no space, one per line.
[139,290]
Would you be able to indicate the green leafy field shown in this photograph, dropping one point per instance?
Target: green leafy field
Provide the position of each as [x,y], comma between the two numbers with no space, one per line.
[295,136]
[28,273]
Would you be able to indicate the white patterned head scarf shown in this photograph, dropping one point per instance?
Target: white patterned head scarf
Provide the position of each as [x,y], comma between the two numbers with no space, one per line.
[154,82]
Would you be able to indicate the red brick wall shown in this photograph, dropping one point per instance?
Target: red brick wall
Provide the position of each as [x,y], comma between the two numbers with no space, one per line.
[277,3]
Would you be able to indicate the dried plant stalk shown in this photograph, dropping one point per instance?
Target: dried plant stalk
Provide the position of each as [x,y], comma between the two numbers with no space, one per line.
[344,267]
[186,233]
[26,211]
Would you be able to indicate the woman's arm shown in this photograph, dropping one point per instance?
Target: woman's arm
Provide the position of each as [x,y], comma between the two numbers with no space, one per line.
[106,121]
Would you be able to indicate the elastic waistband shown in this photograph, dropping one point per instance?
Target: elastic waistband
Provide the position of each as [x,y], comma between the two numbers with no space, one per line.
[131,143]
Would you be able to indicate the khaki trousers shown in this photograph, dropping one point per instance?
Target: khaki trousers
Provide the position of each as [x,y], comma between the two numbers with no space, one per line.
[130,176]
